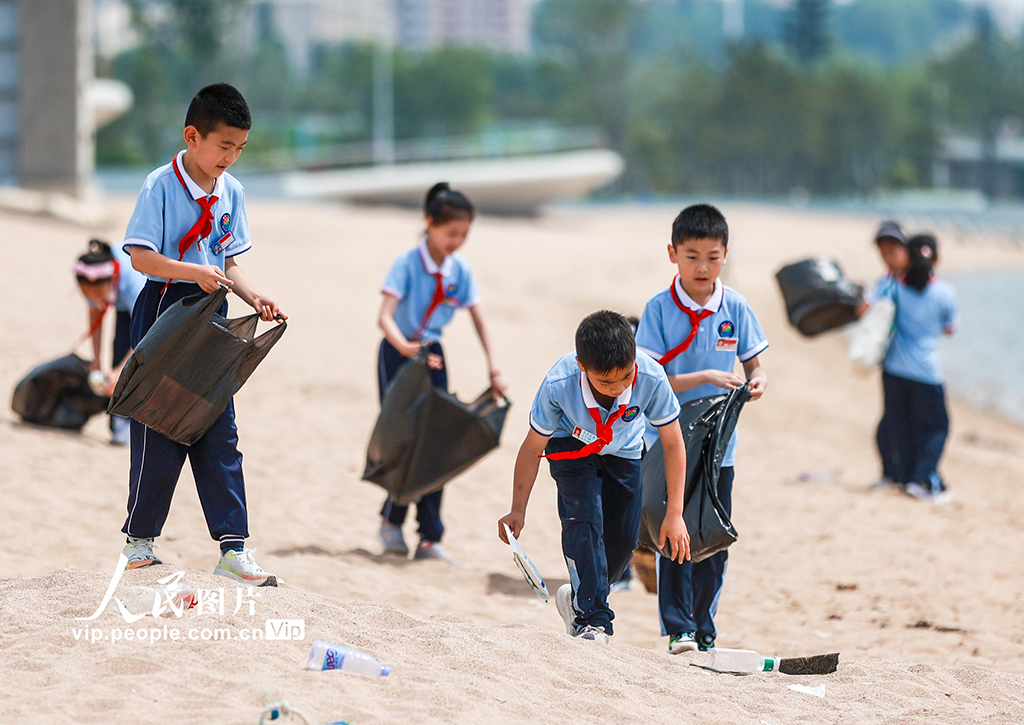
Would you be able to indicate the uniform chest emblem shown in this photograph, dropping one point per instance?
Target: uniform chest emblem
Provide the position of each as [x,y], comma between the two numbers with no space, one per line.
[727,329]
[630,415]
[225,222]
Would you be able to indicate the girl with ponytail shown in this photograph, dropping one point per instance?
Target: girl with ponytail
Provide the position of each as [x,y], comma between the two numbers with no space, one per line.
[107,280]
[915,415]
[424,288]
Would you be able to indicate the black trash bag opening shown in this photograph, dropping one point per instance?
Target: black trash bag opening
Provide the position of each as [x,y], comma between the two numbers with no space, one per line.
[56,394]
[707,425]
[184,372]
[425,437]
[818,296]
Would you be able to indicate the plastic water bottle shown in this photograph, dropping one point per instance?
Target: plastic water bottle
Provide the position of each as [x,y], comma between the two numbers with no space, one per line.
[171,597]
[327,656]
[741,660]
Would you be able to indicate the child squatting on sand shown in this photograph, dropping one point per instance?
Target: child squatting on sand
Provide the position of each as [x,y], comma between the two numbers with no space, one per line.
[588,420]
[188,226]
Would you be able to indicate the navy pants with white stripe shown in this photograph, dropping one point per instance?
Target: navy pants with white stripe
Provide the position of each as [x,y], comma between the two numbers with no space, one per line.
[157,460]
[599,502]
[688,593]
[428,508]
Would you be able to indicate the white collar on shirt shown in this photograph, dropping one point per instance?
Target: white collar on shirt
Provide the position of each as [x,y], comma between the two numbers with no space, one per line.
[714,304]
[591,402]
[428,262]
[193,188]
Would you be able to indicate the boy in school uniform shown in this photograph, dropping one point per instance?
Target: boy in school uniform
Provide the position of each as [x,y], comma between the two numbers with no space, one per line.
[697,329]
[588,420]
[188,227]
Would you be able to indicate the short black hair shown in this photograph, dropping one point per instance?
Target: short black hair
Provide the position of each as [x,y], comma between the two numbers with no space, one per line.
[605,342]
[700,221]
[217,104]
[443,203]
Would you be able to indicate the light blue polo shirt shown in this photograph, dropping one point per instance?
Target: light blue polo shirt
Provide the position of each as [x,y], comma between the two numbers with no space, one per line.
[411,281]
[731,332]
[129,283]
[562,403]
[166,209]
[921,319]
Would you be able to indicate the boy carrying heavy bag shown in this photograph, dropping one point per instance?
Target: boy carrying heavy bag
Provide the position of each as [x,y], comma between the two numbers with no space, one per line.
[189,365]
[707,425]
[425,436]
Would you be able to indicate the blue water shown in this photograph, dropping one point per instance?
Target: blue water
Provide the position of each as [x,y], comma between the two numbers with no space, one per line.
[984,361]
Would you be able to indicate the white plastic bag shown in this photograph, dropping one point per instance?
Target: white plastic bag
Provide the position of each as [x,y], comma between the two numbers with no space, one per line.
[869,336]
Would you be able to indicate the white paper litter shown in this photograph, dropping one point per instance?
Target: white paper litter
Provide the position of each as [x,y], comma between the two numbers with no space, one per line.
[818,691]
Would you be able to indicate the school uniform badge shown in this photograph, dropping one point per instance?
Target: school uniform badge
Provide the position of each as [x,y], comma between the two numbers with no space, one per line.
[630,415]
[726,329]
[223,243]
[225,222]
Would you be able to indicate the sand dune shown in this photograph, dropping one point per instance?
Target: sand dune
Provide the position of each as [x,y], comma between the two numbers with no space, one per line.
[818,568]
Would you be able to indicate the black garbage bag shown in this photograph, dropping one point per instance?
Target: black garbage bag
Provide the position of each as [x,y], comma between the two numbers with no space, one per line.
[184,371]
[425,436]
[708,424]
[57,395]
[818,296]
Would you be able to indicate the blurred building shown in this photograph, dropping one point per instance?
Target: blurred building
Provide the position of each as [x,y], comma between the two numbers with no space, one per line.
[301,25]
[963,163]
[501,25]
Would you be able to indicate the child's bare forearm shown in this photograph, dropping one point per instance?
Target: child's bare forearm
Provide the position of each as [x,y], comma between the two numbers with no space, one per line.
[675,474]
[242,284]
[524,478]
[687,381]
[147,261]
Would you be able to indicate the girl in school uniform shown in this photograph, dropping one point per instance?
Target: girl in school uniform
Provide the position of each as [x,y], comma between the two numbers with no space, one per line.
[915,417]
[424,288]
[107,279]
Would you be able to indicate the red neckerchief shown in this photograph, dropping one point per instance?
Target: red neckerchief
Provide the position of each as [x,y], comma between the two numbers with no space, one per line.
[695,318]
[98,322]
[604,430]
[203,226]
[435,302]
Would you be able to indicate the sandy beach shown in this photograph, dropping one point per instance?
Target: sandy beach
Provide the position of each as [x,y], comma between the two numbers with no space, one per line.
[926,604]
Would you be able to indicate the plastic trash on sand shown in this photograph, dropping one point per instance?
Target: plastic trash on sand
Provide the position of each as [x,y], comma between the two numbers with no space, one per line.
[818,691]
[183,373]
[425,436]
[56,394]
[530,573]
[708,424]
[818,296]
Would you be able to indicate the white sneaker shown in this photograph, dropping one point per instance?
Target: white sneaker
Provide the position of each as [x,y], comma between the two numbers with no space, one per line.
[434,550]
[242,567]
[390,537]
[563,602]
[885,484]
[593,634]
[679,643]
[140,553]
[924,493]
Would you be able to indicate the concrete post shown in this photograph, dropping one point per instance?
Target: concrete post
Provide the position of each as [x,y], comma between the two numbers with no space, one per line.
[57,142]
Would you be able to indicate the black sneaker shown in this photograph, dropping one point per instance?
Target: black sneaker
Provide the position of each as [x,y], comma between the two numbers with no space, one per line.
[705,642]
